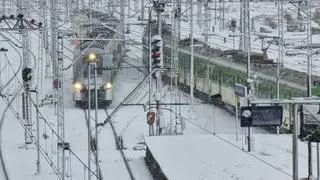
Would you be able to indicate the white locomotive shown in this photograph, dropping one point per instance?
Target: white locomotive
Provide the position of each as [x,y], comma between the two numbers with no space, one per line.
[106,54]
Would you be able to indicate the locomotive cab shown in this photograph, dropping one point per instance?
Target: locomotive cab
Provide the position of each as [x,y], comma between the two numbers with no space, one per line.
[90,76]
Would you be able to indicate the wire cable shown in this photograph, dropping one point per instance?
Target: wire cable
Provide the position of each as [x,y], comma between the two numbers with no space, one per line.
[230,143]
[50,127]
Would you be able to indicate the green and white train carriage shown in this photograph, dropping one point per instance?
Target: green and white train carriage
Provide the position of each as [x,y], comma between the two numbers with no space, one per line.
[216,76]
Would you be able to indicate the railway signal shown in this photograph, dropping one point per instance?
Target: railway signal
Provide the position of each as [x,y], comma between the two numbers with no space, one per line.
[150,118]
[27,74]
[156,51]
[159,5]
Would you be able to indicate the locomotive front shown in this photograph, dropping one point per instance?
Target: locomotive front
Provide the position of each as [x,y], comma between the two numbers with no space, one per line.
[93,56]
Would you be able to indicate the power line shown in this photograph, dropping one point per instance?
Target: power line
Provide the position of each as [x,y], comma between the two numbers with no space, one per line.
[252,155]
[50,127]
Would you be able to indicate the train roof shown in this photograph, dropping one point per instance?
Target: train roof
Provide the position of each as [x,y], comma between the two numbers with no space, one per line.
[98,27]
[268,68]
[86,43]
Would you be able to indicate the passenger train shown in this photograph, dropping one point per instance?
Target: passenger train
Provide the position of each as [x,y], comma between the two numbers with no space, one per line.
[216,72]
[104,56]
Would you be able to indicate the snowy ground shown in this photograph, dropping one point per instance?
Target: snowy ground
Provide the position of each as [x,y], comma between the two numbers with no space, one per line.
[207,157]
[219,37]
[130,122]
[222,157]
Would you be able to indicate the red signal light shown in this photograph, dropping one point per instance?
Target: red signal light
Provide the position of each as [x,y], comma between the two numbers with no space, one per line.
[156,54]
[151,117]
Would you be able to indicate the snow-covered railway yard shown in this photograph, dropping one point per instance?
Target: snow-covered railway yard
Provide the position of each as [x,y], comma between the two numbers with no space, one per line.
[207,148]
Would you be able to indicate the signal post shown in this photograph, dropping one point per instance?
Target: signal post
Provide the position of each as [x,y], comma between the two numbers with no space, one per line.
[157,61]
[312,131]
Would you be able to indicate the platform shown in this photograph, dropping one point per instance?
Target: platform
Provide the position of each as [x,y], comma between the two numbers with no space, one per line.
[204,157]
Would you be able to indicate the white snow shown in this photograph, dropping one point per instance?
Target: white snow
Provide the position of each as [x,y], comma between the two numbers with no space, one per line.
[195,155]
[207,157]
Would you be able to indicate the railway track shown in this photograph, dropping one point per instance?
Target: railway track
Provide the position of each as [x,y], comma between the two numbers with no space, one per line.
[3,165]
[8,102]
[92,145]
[117,141]
[2,161]
[119,145]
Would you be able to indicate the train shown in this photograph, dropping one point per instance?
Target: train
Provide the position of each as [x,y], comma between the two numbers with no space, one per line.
[216,72]
[99,49]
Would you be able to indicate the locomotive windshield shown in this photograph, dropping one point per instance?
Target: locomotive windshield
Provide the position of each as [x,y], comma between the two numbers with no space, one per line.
[86,65]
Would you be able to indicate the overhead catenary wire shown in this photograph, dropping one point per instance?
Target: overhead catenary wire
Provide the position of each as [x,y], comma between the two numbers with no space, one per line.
[51,128]
[15,74]
[252,155]
[121,150]
[28,131]
[53,132]
[3,116]
[28,49]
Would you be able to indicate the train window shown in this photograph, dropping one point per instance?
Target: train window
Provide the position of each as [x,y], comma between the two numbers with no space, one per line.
[84,66]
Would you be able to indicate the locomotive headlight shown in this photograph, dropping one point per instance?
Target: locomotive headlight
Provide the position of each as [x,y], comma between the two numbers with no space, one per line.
[92,57]
[108,85]
[78,86]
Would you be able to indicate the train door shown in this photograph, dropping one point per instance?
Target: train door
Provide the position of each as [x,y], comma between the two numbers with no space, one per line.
[210,74]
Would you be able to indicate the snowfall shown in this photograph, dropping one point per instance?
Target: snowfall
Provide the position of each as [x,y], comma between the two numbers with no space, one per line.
[208,149]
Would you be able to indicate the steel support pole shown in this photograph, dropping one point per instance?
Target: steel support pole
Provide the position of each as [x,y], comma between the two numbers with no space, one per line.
[223,17]
[279,56]
[122,16]
[278,85]
[96,120]
[88,123]
[214,119]
[58,83]
[279,51]
[318,163]
[192,60]
[158,83]
[159,23]
[158,118]
[142,7]
[206,34]
[295,142]
[241,26]
[237,118]
[310,170]
[281,33]
[90,16]
[128,15]
[179,20]
[46,41]
[53,36]
[171,67]
[151,133]
[1,73]
[38,133]
[176,62]
[234,45]
[247,24]
[215,12]
[309,74]
[249,139]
